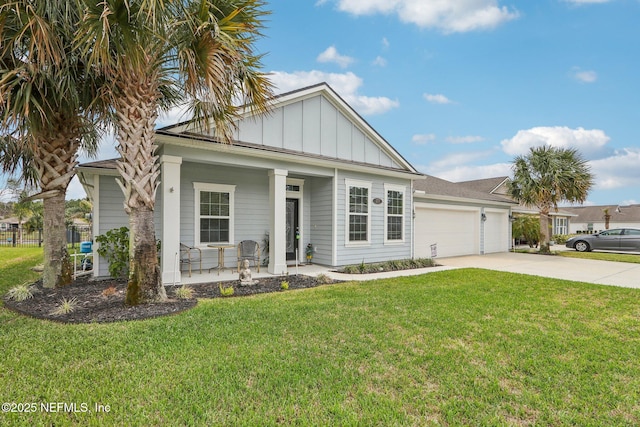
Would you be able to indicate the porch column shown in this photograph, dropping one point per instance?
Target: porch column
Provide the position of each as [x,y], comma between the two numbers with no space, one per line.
[277,221]
[170,245]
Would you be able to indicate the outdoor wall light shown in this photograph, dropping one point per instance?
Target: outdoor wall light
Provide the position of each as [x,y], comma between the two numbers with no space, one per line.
[483,216]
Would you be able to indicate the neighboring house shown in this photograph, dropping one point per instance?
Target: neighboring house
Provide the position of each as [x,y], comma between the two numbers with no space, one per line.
[310,172]
[560,220]
[9,224]
[591,219]
[459,220]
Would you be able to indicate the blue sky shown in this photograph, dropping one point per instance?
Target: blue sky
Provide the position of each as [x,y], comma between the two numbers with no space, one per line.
[460,87]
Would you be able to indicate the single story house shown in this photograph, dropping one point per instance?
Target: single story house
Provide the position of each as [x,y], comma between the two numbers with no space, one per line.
[452,220]
[312,171]
[591,219]
[560,220]
[11,223]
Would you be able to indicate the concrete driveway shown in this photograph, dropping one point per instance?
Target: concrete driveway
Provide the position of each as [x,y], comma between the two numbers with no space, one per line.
[582,270]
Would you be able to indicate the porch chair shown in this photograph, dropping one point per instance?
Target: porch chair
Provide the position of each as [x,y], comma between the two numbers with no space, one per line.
[190,255]
[249,250]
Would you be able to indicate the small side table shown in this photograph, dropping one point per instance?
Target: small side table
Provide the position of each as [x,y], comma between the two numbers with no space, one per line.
[220,248]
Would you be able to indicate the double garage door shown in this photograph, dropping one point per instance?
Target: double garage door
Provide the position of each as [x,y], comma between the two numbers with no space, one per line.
[457,231]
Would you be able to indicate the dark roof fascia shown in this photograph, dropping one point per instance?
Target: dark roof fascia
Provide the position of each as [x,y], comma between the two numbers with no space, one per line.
[419,195]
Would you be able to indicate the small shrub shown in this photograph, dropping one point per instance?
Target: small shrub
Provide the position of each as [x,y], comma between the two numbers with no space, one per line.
[323,279]
[350,269]
[225,291]
[111,290]
[393,265]
[362,267]
[66,306]
[284,285]
[185,292]
[560,239]
[20,293]
[114,246]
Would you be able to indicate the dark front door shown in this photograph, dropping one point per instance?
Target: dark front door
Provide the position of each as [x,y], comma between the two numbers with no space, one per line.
[292,228]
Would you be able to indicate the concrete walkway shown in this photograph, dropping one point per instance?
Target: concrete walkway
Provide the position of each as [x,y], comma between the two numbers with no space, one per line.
[582,270]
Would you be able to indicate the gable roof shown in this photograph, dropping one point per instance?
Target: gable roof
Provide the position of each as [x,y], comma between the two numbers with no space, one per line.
[618,213]
[313,121]
[487,185]
[432,186]
[498,187]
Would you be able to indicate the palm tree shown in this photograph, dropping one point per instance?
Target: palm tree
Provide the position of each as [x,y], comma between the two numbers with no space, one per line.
[547,176]
[46,99]
[156,54]
[527,227]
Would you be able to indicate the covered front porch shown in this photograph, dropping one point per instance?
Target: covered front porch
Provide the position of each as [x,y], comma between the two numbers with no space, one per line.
[208,205]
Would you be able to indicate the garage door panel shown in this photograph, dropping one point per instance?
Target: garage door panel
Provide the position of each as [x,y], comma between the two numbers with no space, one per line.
[454,231]
[496,232]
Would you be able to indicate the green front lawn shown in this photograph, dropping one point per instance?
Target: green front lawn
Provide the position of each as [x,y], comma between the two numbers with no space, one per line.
[602,256]
[460,347]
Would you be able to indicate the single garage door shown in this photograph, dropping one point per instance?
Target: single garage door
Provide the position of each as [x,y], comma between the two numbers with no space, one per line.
[496,232]
[455,231]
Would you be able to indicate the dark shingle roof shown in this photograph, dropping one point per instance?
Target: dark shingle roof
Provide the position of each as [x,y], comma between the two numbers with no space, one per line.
[487,185]
[596,213]
[101,164]
[440,187]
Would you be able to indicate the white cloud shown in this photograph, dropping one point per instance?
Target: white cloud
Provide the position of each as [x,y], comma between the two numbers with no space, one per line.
[470,172]
[459,158]
[346,85]
[449,16]
[331,55]
[618,171]
[422,139]
[587,1]
[589,142]
[470,139]
[385,43]
[380,61]
[437,98]
[584,76]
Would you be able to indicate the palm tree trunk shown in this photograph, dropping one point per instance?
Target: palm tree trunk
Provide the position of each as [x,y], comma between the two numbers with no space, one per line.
[144,272]
[55,161]
[136,109]
[57,264]
[545,232]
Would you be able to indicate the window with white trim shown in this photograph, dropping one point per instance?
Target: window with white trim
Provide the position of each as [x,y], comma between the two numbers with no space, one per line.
[358,207]
[561,226]
[214,213]
[394,213]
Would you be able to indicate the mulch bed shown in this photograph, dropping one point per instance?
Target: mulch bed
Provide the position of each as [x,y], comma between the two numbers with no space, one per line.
[102,301]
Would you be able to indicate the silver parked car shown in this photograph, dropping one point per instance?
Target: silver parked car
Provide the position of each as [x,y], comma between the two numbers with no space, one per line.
[617,239]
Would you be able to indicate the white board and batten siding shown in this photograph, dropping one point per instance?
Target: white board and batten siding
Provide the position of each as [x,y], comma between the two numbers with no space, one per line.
[315,126]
